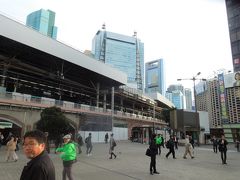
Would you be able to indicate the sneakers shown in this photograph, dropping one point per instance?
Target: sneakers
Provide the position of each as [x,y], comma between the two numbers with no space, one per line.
[192,157]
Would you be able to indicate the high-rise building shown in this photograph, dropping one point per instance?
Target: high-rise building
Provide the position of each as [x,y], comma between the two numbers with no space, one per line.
[125,53]
[178,99]
[174,87]
[233,13]
[43,21]
[155,77]
[188,99]
[201,96]
[175,93]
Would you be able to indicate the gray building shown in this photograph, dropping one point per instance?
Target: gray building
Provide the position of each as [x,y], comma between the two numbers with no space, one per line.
[155,76]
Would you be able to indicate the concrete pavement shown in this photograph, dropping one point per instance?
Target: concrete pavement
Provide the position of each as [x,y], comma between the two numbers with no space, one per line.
[132,164]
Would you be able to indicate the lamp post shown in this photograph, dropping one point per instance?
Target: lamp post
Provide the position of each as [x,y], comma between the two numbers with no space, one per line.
[194,78]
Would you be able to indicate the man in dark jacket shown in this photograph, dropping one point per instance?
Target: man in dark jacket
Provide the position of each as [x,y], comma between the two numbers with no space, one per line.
[222,146]
[154,151]
[40,166]
[171,147]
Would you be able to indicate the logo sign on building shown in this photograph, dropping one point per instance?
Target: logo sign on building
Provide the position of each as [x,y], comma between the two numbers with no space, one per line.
[232,80]
[224,116]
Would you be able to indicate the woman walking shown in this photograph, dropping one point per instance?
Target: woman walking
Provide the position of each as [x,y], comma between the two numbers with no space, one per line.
[68,155]
[11,147]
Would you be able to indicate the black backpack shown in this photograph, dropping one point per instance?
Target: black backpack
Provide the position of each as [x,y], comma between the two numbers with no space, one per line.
[168,144]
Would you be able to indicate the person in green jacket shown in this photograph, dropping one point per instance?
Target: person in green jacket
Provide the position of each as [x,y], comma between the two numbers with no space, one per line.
[159,143]
[68,155]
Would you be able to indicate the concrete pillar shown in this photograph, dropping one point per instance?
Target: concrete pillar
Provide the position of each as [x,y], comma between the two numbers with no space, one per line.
[105,101]
[112,106]
[98,87]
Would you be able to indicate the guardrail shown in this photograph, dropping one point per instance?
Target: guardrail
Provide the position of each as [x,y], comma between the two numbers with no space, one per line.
[43,102]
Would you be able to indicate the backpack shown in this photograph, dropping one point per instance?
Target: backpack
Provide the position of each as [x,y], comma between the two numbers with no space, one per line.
[168,144]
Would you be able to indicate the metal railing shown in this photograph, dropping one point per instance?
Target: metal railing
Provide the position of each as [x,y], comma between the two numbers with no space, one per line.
[19,99]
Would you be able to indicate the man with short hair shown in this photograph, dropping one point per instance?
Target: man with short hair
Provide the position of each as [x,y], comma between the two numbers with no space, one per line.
[89,146]
[40,166]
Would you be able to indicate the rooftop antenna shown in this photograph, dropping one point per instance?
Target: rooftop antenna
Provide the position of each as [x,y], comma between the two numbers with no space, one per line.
[103,44]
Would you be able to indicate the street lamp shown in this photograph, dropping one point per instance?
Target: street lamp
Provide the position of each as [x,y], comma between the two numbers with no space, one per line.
[194,78]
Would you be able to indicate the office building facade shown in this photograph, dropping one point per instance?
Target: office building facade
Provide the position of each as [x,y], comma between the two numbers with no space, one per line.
[188,99]
[155,77]
[43,21]
[125,53]
[221,97]
[233,13]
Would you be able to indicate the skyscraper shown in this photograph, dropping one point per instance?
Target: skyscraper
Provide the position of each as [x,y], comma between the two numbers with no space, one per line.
[155,76]
[233,13]
[43,21]
[188,98]
[125,53]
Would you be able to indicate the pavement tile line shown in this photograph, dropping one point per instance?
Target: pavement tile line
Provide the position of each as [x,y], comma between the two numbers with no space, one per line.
[109,170]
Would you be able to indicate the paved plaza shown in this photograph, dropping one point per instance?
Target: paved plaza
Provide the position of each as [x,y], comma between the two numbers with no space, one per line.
[131,163]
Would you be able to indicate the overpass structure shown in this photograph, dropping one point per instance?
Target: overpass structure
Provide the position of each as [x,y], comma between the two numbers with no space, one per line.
[38,72]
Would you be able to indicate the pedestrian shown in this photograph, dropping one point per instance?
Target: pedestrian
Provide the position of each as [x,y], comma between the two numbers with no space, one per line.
[162,144]
[191,140]
[89,146]
[40,166]
[175,140]
[11,147]
[47,142]
[80,143]
[215,144]
[68,155]
[153,152]
[1,139]
[106,138]
[159,143]
[237,144]
[188,148]
[113,144]
[222,147]
[171,147]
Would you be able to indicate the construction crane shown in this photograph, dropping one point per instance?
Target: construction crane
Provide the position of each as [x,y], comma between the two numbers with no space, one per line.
[138,64]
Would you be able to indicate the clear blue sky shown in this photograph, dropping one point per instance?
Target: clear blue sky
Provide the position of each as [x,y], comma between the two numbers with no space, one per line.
[190,35]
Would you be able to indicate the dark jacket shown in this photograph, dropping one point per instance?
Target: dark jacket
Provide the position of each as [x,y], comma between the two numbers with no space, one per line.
[171,143]
[39,168]
[222,147]
[153,147]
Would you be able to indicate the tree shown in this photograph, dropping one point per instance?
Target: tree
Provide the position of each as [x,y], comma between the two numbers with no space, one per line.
[54,122]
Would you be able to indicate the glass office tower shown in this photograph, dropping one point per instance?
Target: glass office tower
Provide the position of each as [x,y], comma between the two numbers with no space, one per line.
[233,13]
[155,76]
[43,21]
[125,53]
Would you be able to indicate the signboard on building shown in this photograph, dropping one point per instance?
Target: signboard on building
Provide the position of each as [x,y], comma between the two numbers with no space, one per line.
[232,80]
[224,115]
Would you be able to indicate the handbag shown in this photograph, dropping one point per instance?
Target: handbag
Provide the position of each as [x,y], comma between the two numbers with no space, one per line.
[148,152]
[114,144]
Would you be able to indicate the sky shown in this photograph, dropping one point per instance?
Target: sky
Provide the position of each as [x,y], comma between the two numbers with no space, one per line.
[190,35]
